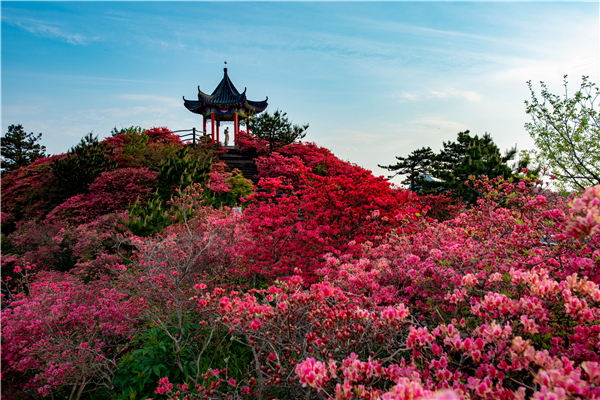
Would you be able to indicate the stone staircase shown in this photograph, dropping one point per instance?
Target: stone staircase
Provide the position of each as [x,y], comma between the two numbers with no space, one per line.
[234,159]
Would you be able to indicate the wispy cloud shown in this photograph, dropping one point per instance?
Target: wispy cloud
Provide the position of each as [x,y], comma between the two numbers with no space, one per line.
[449,93]
[78,78]
[50,30]
[455,93]
[452,126]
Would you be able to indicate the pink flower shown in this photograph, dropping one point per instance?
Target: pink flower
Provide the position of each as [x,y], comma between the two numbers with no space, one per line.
[312,373]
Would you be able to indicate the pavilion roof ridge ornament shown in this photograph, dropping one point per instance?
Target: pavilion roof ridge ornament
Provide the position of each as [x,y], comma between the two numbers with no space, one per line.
[225,103]
[225,97]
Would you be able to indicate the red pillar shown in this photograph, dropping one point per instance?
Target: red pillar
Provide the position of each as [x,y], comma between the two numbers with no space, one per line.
[236,127]
[212,127]
[218,126]
[203,125]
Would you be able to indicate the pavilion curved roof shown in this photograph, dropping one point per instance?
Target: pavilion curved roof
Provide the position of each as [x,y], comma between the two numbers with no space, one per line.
[225,95]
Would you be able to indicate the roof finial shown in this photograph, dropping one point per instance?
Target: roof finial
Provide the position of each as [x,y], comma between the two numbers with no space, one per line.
[225,69]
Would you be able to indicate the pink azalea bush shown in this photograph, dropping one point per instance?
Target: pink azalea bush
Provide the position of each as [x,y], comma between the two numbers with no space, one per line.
[491,314]
[63,332]
[330,284]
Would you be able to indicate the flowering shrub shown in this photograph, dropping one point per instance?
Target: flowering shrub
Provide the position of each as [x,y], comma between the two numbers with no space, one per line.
[53,246]
[327,214]
[111,192]
[65,333]
[29,192]
[252,145]
[286,169]
[284,163]
[226,188]
[34,242]
[162,135]
[331,283]
[319,159]
[586,214]
[136,147]
[323,335]
[167,270]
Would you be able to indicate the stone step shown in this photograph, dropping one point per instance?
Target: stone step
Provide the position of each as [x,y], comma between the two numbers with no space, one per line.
[235,160]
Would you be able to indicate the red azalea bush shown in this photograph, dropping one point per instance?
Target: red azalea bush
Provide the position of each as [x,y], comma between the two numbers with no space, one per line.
[32,242]
[112,191]
[286,169]
[327,214]
[284,163]
[136,147]
[162,135]
[30,192]
[319,159]
[52,245]
[252,145]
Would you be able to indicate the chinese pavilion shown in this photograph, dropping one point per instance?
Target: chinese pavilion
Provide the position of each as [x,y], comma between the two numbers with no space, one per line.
[224,104]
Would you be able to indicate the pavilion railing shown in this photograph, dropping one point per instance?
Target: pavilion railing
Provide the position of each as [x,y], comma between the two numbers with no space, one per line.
[194,135]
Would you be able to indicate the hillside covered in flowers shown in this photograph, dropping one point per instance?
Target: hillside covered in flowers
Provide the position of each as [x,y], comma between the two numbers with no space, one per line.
[138,267]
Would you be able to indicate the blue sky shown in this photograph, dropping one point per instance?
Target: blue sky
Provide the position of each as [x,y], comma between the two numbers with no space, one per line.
[373,80]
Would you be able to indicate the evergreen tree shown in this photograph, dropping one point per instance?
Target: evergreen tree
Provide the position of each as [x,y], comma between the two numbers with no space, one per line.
[19,148]
[414,166]
[469,156]
[84,163]
[276,128]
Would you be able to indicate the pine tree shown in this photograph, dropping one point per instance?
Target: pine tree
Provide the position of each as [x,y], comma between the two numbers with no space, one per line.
[84,163]
[470,156]
[277,129]
[414,166]
[19,148]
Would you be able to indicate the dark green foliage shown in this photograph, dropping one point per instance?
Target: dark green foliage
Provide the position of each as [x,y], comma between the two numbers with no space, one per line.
[447,172]
[84,163]
[277,129]
[190,165]
[132,130]
[149,218]
[155,357]
[19,148]
[418,163]
[140,370]
[470,156]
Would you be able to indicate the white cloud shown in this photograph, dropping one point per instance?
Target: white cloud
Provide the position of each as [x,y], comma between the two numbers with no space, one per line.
[44,29]
[409,96]
[468,95]
[455,93]
[452,126]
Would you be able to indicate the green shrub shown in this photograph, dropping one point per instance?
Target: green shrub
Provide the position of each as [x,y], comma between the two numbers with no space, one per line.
[155,358]
[84,163]
[189,165]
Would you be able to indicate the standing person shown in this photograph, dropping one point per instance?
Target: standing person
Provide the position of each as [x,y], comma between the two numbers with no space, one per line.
[226,136]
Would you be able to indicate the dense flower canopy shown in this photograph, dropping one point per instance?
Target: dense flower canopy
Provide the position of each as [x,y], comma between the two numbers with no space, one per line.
[325,282]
